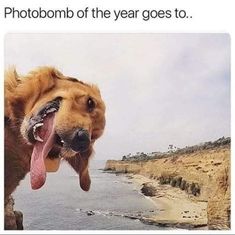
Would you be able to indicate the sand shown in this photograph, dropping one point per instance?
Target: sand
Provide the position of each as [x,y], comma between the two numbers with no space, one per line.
[176,208]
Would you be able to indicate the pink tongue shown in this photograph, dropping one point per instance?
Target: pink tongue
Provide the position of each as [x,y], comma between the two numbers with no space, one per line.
[40,152]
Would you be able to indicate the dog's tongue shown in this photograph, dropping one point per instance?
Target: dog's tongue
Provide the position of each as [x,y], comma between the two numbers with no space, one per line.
[40,152]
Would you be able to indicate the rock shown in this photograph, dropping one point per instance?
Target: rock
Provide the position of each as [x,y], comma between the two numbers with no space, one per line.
[13,219]
[89,213]
[148,190]
[131,216]
[19,220]
[10,221]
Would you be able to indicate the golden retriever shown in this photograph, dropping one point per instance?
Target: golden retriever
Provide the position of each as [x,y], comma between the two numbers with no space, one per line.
[48,116]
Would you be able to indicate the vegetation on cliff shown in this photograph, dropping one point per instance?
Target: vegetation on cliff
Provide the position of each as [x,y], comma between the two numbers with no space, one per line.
[172,150]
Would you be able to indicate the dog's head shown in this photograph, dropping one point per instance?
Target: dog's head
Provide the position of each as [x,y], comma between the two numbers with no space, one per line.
[60,116]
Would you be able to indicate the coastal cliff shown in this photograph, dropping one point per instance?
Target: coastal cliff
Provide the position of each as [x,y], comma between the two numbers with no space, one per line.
[200,172]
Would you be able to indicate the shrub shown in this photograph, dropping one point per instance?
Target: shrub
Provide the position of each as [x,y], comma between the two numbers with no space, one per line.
[183,185]
[173,182]
[178,182]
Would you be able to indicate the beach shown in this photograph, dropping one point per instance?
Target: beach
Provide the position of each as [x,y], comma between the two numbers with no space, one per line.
[176,208]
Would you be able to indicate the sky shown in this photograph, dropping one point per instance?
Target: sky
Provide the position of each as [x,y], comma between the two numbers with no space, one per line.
[159,89]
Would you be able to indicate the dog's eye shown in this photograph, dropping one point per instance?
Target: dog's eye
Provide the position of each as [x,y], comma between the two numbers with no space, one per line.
[90,104]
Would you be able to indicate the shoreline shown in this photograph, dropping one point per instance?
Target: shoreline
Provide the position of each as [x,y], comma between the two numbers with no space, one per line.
[195,185]
[176,209]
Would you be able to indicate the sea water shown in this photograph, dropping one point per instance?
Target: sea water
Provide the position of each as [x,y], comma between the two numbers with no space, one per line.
[113,202]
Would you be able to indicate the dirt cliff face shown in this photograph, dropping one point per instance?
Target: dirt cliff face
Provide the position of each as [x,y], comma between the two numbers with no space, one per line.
[203,174]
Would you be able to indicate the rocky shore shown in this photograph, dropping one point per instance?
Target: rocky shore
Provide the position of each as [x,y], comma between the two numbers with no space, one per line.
[13,219]
[191,185]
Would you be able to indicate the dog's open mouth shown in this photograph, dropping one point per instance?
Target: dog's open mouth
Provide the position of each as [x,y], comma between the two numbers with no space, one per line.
[42,134]
[37,122]
[48,145]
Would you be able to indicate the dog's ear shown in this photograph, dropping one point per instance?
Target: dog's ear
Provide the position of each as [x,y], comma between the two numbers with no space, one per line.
[80,165]
[19,89]
[12,80]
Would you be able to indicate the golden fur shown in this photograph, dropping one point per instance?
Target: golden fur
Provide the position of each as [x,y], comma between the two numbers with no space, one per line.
[24,95]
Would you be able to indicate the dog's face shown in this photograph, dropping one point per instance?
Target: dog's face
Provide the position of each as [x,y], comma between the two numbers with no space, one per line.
[62,117]
[77,111]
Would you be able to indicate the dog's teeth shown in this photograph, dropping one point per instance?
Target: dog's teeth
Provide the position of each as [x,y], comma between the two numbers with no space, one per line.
[51,110]
[38,138]
[38,124]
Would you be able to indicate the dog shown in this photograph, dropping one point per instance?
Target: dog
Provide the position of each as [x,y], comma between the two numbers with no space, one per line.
[48,116]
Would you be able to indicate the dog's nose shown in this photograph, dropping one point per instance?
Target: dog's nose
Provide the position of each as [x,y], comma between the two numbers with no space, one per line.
[80,141]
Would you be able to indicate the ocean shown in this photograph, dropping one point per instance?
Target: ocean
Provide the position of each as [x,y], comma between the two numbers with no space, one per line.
[113,202]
